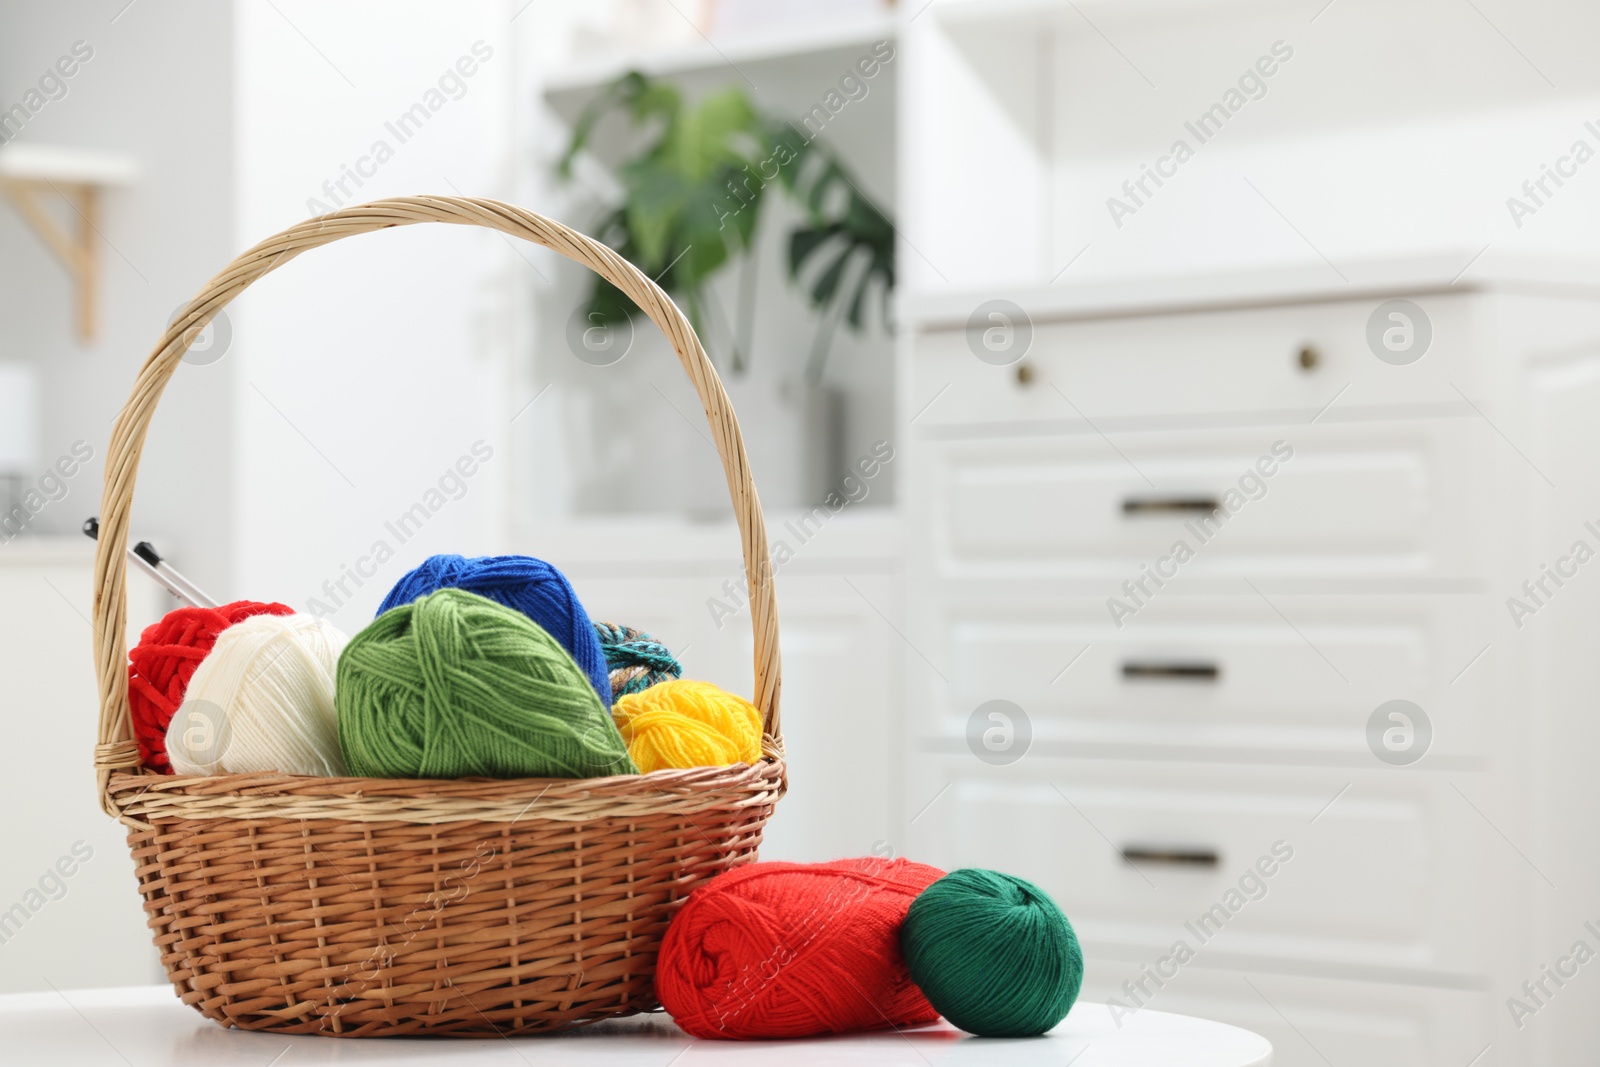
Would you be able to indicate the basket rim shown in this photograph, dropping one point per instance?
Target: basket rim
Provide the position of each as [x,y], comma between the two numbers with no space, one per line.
[148,795]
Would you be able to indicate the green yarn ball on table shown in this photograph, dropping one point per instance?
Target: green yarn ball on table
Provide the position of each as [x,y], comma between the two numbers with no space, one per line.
[453,685]
[992,953]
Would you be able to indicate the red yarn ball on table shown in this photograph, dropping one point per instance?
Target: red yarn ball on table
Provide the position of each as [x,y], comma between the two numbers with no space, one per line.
[160,667]
[783,950]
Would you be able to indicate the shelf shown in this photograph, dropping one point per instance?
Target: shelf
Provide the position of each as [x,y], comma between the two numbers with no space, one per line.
[66,166]
[1081,15]
[567,87]
[30,174]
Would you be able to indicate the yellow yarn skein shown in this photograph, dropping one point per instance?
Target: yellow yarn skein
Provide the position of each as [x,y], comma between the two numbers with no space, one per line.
[681,723]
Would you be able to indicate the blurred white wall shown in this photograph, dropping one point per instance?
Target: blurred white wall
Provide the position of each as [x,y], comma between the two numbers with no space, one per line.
[1391,129]
[368,368]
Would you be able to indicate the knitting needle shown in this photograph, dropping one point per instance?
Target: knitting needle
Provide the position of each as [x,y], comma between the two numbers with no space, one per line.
[145,557]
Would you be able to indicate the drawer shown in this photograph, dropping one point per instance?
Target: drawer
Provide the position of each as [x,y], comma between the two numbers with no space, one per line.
[1394,878]
[1199,364]
[1324,1020]
[1217,677]
[1383,499]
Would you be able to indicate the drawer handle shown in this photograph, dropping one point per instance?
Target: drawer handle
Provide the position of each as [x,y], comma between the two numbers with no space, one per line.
[1170,671]
[1170,505]
[1175,855]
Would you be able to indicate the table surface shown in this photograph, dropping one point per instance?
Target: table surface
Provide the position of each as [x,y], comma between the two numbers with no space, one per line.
[148,1025]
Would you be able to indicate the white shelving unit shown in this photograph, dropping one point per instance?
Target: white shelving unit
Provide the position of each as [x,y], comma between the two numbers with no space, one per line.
[635,511]
[1179,338]
[786,73]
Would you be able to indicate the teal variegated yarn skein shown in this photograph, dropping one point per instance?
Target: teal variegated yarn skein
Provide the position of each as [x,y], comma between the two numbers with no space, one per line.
[992,953]
[635,660]
[453,685]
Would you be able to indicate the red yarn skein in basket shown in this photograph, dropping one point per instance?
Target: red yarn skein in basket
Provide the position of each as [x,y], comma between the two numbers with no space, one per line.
[160,666]
[782,950]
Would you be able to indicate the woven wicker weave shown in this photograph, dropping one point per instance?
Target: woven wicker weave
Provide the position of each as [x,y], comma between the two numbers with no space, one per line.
[359,906]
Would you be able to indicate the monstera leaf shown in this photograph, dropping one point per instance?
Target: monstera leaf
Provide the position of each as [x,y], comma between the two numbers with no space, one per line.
[691,203]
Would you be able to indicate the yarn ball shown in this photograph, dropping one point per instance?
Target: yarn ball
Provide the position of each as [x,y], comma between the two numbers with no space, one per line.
[262,701]
[682,723]
[993,953]
[635,660]
[160,666]
[454,685]
[784,950]
[524,584]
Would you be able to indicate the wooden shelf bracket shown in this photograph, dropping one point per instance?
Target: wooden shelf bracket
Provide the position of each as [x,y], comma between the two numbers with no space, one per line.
[31,176]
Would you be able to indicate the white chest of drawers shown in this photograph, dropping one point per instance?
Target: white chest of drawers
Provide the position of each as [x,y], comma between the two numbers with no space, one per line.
[1174,714]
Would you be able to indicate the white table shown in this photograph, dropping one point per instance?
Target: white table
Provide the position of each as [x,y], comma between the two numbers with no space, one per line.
[147,1025]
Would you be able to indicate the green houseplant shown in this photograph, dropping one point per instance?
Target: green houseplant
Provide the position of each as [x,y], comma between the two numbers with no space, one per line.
[692,199]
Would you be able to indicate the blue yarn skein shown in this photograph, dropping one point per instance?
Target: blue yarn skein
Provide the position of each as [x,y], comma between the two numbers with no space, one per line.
[523,584]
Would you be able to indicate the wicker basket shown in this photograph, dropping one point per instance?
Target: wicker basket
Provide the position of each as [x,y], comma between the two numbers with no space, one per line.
[360,906]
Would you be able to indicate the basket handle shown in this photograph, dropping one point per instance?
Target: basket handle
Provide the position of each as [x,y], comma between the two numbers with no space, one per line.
[116,749]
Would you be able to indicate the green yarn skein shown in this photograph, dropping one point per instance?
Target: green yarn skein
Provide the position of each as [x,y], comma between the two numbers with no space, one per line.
[453,685]
[992,953]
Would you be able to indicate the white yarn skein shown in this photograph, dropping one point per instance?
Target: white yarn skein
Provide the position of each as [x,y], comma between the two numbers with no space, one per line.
[262,701]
